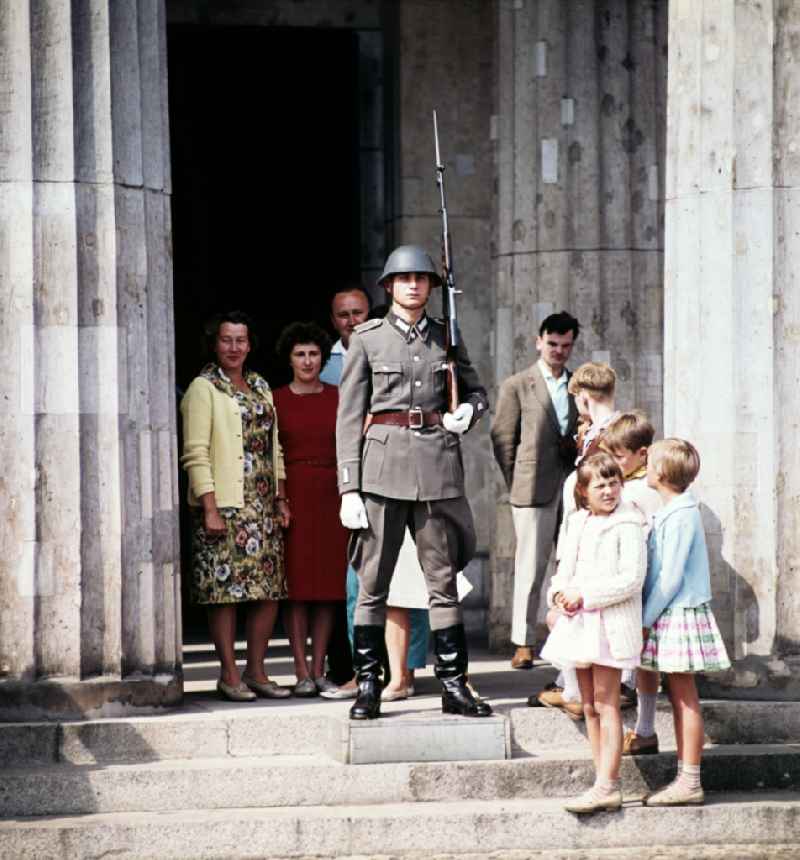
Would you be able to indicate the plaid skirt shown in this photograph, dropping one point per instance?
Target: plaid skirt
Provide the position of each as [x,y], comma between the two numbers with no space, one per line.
[685,639]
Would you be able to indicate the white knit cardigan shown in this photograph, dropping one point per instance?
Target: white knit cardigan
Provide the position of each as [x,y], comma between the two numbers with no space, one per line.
[615,583]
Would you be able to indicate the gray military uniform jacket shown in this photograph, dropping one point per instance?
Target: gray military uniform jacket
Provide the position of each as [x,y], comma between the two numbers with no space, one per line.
[526,437]
[391,367]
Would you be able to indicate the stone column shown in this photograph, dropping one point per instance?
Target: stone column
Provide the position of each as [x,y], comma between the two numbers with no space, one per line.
[579,142]
[732,316]
[89,597]
[439,55]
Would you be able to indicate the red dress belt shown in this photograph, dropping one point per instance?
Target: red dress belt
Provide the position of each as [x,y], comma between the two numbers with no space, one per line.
[414,418]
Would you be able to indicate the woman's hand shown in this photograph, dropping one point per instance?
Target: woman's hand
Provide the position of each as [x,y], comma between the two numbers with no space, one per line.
[213,524]
[283,513]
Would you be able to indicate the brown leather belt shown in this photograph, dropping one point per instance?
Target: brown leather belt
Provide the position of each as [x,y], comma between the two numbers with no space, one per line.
[416,419]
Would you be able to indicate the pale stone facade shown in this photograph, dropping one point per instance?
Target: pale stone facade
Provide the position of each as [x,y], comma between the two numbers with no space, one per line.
[552,117]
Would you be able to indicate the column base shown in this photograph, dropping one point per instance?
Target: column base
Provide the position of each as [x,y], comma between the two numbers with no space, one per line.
[774,679]
[71,699]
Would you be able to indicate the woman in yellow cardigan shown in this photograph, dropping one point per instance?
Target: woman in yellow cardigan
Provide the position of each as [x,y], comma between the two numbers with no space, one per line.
[237,495]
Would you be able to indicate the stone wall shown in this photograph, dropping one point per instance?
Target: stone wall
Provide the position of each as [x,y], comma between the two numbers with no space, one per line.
[441,57]
[578,131]
[733,318]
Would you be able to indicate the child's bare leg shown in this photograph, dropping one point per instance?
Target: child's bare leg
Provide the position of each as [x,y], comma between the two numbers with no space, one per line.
[689,730]
[606,703]
[586,684]
[647,682]
[686,788]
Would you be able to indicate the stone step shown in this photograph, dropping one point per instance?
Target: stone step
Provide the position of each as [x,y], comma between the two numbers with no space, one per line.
[291,728]
[466,827]
[285,781]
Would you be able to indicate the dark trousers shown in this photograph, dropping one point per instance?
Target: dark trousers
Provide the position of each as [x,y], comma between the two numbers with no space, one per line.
[444,533]
[340,656]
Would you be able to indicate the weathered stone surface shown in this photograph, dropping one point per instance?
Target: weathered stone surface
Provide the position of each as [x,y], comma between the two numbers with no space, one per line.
[729,287]
[439,738]
[578,136]
[408,830]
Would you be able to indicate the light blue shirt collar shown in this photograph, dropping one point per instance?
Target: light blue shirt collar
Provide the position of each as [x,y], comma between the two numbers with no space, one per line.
[558,394]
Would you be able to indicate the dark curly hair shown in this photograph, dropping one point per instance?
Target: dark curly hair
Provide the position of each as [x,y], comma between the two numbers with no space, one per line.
[212,327]
[303,332]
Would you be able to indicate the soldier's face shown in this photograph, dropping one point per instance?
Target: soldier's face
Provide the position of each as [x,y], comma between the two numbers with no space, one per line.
[410,290]
[306,362]
[347,311]
[555,349]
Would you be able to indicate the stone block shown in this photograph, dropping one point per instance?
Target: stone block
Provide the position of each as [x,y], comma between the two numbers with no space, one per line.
[142,740]
[27,744]
[294,734]
[444,738]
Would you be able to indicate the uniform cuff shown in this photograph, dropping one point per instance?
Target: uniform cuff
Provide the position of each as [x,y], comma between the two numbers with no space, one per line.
[349,476]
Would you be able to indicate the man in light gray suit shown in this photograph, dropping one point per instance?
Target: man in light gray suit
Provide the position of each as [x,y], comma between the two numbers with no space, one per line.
[532,434]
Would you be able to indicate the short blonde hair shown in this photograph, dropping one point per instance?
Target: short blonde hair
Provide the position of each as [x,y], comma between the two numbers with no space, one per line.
[676,462]
[631,431]
[596,466]
[598,380]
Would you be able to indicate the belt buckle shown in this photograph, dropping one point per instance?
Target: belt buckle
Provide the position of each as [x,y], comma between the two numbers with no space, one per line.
[416,420]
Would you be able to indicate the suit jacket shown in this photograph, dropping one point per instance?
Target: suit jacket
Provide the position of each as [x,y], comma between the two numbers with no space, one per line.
[384,372]
[528,444]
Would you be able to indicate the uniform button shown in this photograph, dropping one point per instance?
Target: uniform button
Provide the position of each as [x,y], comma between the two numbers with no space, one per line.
[418,383]
[384,367]
[416,358]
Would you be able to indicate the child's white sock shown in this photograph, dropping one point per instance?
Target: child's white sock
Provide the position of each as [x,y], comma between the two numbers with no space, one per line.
[560,680]
[689,776]
[646,715]
[572,692]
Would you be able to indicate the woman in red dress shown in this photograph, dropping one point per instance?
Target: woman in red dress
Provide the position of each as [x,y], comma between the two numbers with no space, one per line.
[316,542]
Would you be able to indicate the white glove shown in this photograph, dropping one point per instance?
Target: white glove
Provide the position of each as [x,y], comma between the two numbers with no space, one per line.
[458,421]
[352,513]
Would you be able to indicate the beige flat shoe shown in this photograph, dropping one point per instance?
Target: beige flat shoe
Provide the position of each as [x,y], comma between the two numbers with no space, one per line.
[394,695]
[594,801]
[239,693]
[676,794]
[268,690]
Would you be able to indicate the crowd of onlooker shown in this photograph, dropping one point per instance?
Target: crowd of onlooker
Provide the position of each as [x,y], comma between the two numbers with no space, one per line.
[265,513]
[628,603]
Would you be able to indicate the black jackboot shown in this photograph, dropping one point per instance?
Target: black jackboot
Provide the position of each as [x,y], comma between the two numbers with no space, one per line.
[451,670]
[368,642]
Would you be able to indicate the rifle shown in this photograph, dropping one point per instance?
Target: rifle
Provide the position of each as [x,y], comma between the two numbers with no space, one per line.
[449,291]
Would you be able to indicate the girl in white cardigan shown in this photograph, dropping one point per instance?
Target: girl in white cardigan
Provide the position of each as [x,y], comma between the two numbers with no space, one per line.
[597,598]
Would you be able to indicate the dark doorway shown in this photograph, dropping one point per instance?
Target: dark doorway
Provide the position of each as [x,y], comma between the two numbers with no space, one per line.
[265,197]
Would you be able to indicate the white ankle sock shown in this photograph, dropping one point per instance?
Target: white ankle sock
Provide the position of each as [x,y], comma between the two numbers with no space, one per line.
[560,680]
[646,715]
[572,692]
[689,776]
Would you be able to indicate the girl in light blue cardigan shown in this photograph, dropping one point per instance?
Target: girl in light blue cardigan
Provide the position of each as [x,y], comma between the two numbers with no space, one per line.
[681,635]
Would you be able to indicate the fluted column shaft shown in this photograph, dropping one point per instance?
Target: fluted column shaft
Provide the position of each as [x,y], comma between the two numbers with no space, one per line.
[89,603]
[733,316]
[579,159]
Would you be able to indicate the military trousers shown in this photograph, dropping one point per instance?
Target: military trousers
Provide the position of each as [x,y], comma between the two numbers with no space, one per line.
[444,533]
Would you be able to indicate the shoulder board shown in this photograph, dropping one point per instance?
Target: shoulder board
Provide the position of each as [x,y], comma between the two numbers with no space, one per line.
[368,325]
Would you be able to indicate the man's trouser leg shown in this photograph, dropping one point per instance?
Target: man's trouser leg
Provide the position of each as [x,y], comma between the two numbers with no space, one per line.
[374,556]
[535,529]
[445,536]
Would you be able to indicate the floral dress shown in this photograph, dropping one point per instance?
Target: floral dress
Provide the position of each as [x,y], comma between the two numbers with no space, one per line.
[247,562]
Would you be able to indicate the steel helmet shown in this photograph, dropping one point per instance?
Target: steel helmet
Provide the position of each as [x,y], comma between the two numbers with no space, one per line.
[410,258]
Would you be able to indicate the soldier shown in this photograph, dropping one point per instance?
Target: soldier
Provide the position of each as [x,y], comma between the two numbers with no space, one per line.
[399,459]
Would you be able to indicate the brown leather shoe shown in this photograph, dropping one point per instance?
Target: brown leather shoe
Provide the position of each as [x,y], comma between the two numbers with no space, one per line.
[633,744]
[555,699]
[523,658]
